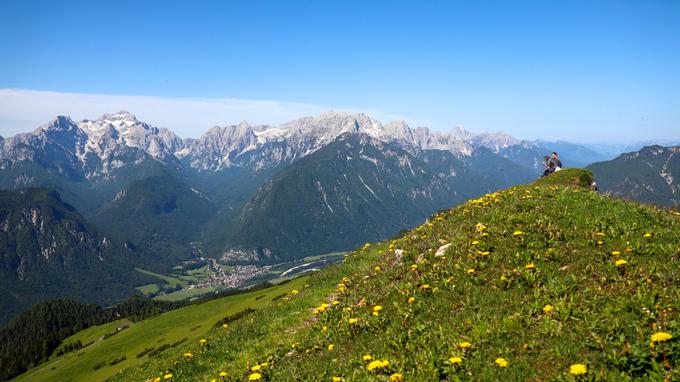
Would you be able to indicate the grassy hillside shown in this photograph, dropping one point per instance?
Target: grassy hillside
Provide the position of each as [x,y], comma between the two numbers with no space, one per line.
[175,328]
[530,283]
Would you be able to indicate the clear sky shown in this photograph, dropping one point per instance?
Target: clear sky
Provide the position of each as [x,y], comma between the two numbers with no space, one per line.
[578,70]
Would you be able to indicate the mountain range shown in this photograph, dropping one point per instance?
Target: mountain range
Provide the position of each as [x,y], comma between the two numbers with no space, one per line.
[146,185]
[250,194]
[649,175]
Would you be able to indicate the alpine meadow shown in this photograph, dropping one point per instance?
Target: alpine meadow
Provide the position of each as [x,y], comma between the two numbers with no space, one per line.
[339,191]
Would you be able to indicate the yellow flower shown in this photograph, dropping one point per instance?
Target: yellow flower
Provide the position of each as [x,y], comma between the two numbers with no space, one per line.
[661,336]
[203,341]
[294,292]
[414,267]
[503,278]
[464,345]
[331,347]
[425,286]
[601,234]
[471,271]
[648,235]
[455,360]
[578,369]
[188,355]
[475,242]
[517,233]
[352,321]
[485,253]
[377,269]
[167,376]
[256,368]
[616,253]
[377,308]
[367,357]
[223,374]
[620,263]
[225,326]
[548,308]
[396,377]
[264,364]
[600,242]
[501,362]
[530,266]
[377,364]
[411,300]
[255,377]
[338,379]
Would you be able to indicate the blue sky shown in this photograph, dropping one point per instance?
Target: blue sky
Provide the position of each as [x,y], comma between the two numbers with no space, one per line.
[578,70]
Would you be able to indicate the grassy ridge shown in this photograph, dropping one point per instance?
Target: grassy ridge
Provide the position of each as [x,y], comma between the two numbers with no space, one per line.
[184,325]
[535,279]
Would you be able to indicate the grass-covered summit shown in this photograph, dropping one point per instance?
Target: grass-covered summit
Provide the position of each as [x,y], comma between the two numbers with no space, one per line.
[547,281]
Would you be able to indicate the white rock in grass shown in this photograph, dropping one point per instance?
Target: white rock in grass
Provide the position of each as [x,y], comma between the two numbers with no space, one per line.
[442,250]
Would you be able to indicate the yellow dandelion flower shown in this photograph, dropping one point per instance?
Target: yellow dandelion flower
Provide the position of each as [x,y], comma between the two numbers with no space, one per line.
[548,308]
[377,269]
[600,242]
[331,347]
[464,345]
[256,368]
[338,379]
[475,242]
[167,376]
[367,357]
[335,303]
[517,233]
[225,326]
[471,271]
[264,364]
[203,341]
[377,364]
[455,360]
[352,321]
[223,374]
[578,369]
[396,377]
[377,308]
[661,337]
[503,278]
[648,235]
[620,263]
[615,253]
[600,234]
[411,300]
[501,362]
[255,377]
[530,266]
[188,355]
[414,267]
[425,286]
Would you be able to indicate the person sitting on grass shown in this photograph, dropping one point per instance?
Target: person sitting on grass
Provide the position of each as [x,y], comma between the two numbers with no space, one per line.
[556,162]
[546,165]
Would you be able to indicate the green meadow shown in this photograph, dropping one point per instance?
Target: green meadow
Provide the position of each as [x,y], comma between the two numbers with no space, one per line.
[180,327]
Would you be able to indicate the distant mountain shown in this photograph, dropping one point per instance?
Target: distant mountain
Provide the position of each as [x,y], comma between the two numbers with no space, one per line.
[157,212]
[171,197]
[612,150]
[49,251]
[649,175]
[573,154]
[356,189]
